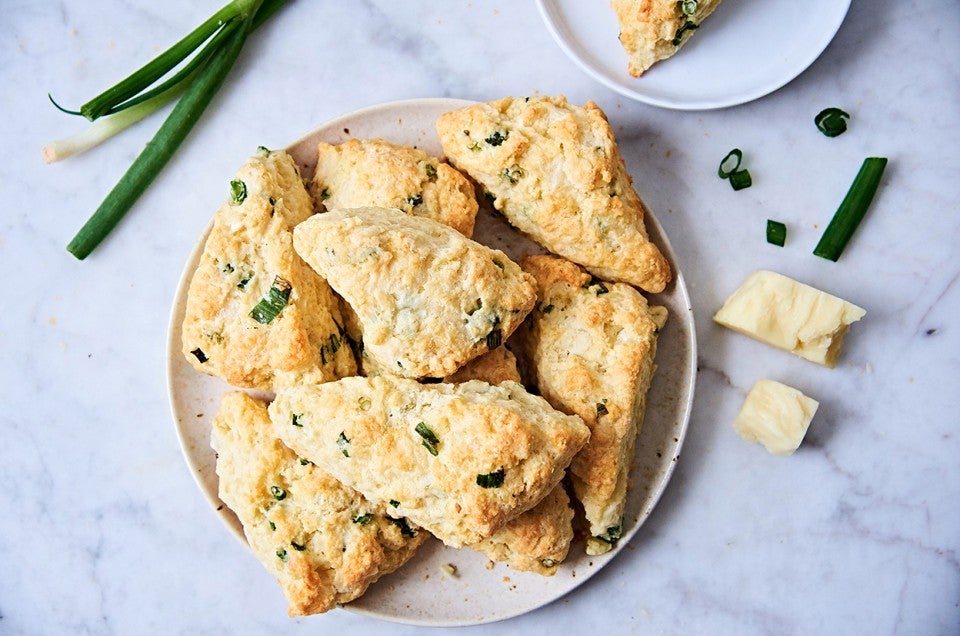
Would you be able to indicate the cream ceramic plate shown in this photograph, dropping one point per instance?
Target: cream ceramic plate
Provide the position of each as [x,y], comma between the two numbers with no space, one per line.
[746,49]
[420,592]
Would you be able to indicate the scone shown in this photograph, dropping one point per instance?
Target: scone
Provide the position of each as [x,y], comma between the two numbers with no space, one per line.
[256,314]
[427,298]
[554,171]
[459,460]
[653,30]
[539,539]
[323,541]
[592,345]
[362,173]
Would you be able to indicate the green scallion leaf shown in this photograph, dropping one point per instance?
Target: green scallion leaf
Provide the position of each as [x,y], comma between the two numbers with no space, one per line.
[295,419]
[363,519]
[415,200]
[343,444]
[199,354]
[741,179]
[429,440]
[238,191]
[776,232]
[298,547]
[491,480]
[394,503]
[270,306]
[612,535]
[725,169]
[497,138]
[831,121]
[602,407]
[494,338]
[687,26]
[278,493]
[852,209]
[405,528]
[282,554]
[689,7]
[431,170]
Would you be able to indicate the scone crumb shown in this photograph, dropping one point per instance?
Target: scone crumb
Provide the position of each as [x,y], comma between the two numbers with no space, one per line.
[490,565]
[449,569]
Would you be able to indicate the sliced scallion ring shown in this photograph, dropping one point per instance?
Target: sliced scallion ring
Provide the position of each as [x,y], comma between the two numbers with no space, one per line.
[776,232]
[741,179]
[831,121]
[735,154]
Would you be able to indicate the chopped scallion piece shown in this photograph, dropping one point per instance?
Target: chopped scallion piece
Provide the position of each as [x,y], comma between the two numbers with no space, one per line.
[405,528]
[278,493]
[295,420]
[394,503]
[494,338]
[343,444]
[741,179]
[689,7]
[852,209]
[497,138]
[430,439]
[602,407]
[363,519]
[282,554]
[687,26]
[831,121]
[612,535]
[298,547]
[238,191]
[491,480]
[734,155]
[776,232]
[200,355]
[276,299]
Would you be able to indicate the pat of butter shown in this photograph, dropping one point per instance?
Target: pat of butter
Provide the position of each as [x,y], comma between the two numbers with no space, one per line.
[789,315]
[775,415]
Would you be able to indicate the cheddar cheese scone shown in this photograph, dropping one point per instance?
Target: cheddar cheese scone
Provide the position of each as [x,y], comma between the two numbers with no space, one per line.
[256,314]
[653,30]
[539,539]
[459,460]
[554,171]
[592,345]
[323,541]
[362,173]
[427,298]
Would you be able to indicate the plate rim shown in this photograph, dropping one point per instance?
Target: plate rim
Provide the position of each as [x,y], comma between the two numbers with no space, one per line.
[684,412]
[547,7]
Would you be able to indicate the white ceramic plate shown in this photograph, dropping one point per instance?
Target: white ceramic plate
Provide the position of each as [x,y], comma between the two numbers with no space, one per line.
[746,49]
[420,593]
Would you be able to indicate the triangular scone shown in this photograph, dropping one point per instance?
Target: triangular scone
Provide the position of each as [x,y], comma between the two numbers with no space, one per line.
[459,460]
[592,345]
[554,171]
[361,173]
[539,539]
[323,541]
[653,30]
[256,314]
[428,299]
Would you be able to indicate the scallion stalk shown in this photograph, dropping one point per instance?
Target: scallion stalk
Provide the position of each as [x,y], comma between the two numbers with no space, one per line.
[776,233]
[852,209]
[200,79]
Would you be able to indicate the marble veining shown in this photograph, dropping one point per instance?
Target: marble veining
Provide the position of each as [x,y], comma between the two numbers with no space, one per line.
[102,528]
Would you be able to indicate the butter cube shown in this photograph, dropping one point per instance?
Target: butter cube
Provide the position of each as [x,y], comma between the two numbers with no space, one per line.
[789,315]
[775,415]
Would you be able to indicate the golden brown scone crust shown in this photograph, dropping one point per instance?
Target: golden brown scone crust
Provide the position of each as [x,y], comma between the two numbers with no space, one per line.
[428,299]
[536,541]
[653,30]
[250,244]
[362,173]
[364,432]
[556,174]
[593,346]
[493,367]
[539,539]
[307,529]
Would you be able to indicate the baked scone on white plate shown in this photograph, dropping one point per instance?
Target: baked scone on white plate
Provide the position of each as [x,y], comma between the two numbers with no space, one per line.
[256,315]
[539,539]
[554,171]
[323,542]
[653,30]
[592,346]
[374,173]
[427,298]
[460,460]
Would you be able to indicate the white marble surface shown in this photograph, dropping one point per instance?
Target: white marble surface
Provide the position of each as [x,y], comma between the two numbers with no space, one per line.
[102,529]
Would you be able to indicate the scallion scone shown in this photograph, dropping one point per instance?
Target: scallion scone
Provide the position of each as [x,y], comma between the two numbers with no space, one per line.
[653,30]
[459,460]
[592,345]
[539,539]
[256,314]
[361,173]
[554,171]
[323,541]
[427,298]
